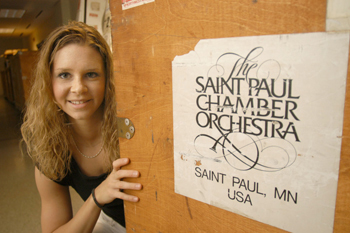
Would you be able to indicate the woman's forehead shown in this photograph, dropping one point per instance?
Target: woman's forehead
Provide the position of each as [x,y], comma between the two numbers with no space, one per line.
[77,55]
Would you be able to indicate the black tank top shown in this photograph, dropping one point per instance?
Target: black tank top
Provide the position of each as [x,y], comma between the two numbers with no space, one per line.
[84,184]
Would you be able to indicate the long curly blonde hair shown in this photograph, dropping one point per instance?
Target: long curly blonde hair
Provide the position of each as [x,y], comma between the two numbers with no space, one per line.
[45,130]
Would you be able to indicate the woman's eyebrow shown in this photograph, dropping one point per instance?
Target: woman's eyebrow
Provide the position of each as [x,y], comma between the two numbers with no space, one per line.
[84,70]
[61,69]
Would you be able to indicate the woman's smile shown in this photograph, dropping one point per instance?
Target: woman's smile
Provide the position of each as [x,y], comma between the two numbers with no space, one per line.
[79,104]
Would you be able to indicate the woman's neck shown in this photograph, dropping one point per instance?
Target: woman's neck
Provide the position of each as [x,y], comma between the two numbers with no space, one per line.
[88,132]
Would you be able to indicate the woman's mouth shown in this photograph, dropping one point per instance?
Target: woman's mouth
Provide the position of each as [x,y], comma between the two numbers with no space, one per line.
[78,102]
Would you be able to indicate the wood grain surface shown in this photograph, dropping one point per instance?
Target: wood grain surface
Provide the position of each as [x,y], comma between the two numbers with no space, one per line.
[145,41]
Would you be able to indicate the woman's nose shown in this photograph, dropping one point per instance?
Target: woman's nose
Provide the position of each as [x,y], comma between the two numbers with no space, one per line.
[78,86]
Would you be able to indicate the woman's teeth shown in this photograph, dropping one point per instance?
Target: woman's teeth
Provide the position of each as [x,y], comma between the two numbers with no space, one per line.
[77,102]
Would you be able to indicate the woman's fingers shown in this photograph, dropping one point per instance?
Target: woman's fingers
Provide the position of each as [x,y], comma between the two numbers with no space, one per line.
[127,197]
[121,174]
[116,190]
[123,185]
[117,164]
[112,188]
[114,185]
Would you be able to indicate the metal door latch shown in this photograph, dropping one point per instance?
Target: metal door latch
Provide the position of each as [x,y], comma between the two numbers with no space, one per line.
[126,128]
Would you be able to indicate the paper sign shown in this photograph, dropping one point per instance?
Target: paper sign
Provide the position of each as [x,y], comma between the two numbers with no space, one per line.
[258,125]
[127,4]
[94,13]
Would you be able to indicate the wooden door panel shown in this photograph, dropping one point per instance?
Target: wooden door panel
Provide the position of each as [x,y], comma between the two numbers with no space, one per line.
[145,41]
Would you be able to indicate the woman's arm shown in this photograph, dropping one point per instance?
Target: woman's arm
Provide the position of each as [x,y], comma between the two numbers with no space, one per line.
[56,208]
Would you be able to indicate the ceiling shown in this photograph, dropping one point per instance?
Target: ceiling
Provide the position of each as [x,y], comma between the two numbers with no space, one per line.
[36,12]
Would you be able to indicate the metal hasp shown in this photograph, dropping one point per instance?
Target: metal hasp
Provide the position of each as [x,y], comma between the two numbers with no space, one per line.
[126,128]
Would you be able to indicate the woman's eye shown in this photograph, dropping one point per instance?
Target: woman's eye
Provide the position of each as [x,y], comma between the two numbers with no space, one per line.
[91,75]
[63,75]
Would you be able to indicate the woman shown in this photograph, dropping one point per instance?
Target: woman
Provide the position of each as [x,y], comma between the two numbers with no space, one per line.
[70,132]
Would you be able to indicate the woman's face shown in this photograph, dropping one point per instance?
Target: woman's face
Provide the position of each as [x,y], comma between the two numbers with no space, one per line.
[78,81]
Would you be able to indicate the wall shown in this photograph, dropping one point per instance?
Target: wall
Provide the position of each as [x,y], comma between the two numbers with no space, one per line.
[62,13]
[46,27]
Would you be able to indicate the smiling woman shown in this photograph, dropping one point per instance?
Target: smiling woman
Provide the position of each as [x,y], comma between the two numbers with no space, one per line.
[70,132]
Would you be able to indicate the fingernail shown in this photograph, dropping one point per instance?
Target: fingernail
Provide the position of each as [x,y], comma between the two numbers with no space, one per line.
[135,173]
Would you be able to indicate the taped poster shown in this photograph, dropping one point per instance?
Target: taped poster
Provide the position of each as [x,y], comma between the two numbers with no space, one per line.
[258,126]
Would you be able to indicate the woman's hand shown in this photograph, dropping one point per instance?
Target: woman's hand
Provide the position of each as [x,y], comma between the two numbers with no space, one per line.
[113,186]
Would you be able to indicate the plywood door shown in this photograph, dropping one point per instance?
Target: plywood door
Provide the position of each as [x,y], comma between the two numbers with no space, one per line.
[145,41]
